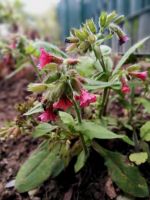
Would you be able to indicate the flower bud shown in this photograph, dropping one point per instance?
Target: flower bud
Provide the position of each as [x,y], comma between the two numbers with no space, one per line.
[133,68]
[37,87]
[123,38]
[76,84]
[125,88]
[91,26]
[81,35]
[71,40]
[141,75]
[71,47]
[119,19]
[84,46]
[91,39]
[103,19]
[111,16]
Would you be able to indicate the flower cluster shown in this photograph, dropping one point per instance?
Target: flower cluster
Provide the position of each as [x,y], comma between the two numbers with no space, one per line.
[63,103]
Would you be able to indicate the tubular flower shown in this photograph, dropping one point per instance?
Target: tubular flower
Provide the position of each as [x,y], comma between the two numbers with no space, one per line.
[47,115]
[46,58]
[86,98]
[125,88]
[62,104]
[123,39]
[141,75]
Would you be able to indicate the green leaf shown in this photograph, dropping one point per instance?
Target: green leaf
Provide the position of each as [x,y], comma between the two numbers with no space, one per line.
[66,118]
[128,53]
[43,129]
[138,158]
[95,85]
[50,48]
[93,130]
[145,132]
[86,66]
[36,109]
[126,176]
[42,164]
[81,159]
[145,103]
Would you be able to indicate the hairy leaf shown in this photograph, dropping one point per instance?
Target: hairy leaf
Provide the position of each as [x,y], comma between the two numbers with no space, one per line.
[95,85]
[66,118]
[50,48]
[42,164]
[128,53]
[94,130]
[36,109]
[126,176]
[145,132]
[43,129]
[81,159]
[145,103]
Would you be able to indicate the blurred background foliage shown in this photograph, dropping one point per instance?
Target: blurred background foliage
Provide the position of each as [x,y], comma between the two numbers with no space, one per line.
[16,18]
[51,20]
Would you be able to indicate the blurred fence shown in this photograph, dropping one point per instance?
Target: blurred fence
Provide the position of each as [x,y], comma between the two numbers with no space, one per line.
[71,13]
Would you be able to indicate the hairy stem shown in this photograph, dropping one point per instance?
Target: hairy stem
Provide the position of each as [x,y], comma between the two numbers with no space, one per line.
[99,56]
[35,68]
[77,109]
[104,103]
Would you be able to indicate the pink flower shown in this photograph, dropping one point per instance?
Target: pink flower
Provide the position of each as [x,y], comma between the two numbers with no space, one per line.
[62,104]
[125,88]
[47,115]
[141,75]
[86,98]
[46,58]
[123,39]
[13,45]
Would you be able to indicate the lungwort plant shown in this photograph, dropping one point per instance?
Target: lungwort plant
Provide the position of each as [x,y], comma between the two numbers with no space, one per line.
[74,97]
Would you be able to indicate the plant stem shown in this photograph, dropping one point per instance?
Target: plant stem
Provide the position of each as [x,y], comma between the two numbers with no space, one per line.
[106,90]
[100,58]
[77,109]
[132,112]
[35,68]
[104,103]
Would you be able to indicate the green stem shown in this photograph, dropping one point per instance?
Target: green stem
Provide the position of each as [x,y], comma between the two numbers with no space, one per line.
[79,118]
[35,68]
[103,104]
[99,56]
[132,113]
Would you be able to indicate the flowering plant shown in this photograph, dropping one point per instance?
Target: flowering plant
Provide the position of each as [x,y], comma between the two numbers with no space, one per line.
[73,97]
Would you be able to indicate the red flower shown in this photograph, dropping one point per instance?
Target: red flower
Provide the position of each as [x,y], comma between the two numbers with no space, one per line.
[47,115]
[125,88]
[141,75]
[45,58]
[86,98]
[123,39]
[62,104]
